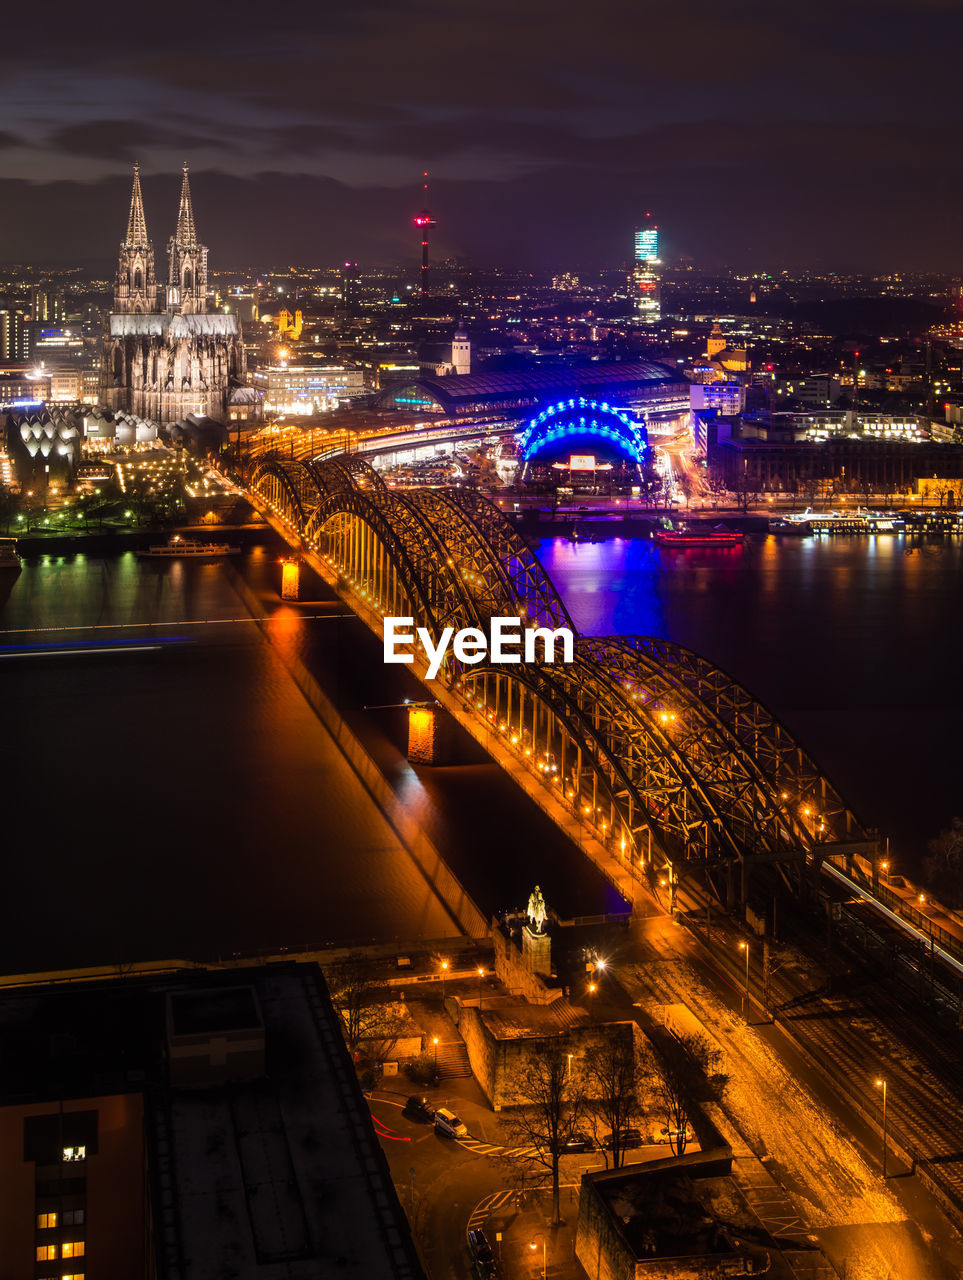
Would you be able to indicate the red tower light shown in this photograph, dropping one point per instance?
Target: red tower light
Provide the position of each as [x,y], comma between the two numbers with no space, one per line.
[424,220]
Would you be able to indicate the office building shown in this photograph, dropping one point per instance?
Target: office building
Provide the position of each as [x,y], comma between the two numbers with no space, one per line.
[647,304]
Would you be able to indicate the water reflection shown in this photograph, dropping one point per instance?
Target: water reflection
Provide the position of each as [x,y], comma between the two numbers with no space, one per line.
[853,642]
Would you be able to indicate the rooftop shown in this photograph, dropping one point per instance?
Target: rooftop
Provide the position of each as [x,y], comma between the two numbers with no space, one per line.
[250,1179]
[531,386]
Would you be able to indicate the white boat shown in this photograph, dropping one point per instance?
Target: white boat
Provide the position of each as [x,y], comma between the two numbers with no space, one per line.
[179,546]
[9,559]
[862,520]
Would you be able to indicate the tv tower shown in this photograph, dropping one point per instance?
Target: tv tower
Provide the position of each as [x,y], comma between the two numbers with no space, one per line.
[424,220]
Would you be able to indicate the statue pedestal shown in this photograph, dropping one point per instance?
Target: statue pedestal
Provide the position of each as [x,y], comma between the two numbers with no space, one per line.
[537,950]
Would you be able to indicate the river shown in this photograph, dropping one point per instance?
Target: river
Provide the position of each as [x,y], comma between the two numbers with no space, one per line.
[853,642]
[180,799]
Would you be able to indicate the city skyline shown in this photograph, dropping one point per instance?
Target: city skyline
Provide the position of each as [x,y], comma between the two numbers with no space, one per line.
[826,141]
[481,531]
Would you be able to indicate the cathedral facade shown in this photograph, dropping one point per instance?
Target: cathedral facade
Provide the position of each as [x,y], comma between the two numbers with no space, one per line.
[166,354]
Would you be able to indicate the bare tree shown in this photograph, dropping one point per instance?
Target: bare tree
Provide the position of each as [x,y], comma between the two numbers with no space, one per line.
[362,1001]
[943,867]
[551,1102]
[611,1072]
[687,1072]
[688,485]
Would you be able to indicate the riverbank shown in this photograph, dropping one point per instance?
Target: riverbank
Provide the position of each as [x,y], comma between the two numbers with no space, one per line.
[109,541]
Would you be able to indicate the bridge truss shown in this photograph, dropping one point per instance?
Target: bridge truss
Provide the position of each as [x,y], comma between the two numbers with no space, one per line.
[661,758]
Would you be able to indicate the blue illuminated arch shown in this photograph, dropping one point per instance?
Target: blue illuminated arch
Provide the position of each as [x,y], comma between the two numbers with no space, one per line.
[586,420]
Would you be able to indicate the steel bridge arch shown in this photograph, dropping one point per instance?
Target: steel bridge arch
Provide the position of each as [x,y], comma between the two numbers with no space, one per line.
[661,755]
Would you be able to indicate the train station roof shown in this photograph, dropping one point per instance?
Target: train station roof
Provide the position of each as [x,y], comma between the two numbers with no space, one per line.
[474,392]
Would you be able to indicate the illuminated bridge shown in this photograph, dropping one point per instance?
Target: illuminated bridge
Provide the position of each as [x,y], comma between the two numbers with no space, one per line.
[654,760]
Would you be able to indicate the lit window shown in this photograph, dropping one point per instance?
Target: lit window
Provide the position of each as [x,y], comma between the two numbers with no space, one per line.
[73,1249]
[46,1220]
[72,1275]
[72,1154]
[45,1252]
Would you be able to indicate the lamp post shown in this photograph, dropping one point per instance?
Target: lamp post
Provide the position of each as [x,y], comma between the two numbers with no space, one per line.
[444,975]
[568,1074]
[434,1041]
[744,946]
[881,1084]
[481,974]
[533,1246]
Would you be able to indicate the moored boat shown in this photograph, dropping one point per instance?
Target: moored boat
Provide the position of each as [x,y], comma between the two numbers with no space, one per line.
[189,547]
[9,559]
[686,536]
[794,528]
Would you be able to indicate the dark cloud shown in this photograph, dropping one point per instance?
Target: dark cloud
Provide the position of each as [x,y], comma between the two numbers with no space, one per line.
[787,125]
[125,140]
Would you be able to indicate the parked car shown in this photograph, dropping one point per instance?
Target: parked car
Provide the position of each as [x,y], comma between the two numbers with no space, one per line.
[670,1135]
[419,1109]
[481,1254]
[628,1138]
[448,1124]
[577,1142]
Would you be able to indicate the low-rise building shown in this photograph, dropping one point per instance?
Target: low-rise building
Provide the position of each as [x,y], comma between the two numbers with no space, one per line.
[307,387]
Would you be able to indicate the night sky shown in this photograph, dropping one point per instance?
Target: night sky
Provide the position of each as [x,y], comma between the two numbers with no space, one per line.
[761,135]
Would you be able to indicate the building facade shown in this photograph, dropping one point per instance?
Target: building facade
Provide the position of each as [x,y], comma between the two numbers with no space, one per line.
[165,353]
[647,303]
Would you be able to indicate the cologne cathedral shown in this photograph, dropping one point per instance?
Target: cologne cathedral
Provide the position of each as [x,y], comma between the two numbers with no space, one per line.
[165,354]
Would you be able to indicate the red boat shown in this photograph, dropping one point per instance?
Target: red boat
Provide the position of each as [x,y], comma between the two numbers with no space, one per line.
[683,536]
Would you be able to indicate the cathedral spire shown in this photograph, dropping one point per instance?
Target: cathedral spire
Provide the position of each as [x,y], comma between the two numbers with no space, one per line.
[185,235]
[136,223]
[135,289]
[187,273]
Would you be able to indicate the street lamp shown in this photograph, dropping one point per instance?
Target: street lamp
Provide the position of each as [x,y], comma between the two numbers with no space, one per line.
[444,974]
[744,946]
[568,1075]
[434,1041]
[533,1246]
[881,1084]
[481,974]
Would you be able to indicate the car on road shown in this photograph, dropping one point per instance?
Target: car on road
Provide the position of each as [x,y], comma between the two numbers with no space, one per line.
[481,1254]
[628,1138]
[669,1135]
[448,1124]
[419,1109]
[578,1142]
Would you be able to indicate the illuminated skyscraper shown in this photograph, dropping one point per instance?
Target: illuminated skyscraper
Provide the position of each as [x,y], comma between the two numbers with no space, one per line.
[645,273]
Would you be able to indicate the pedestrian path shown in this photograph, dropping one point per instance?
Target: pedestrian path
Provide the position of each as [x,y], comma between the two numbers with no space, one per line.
[452,1060]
